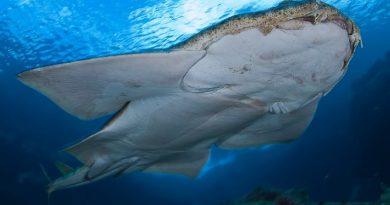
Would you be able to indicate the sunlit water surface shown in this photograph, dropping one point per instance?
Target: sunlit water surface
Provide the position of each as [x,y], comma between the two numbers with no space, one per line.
[43,32]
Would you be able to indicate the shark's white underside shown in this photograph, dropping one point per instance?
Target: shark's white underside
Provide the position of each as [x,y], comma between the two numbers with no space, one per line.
[244,89]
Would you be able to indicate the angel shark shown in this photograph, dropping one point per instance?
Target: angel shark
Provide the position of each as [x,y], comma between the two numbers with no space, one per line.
[250,80]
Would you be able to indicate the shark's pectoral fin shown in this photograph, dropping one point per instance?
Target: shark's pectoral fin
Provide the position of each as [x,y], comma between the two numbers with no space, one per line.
[92,88]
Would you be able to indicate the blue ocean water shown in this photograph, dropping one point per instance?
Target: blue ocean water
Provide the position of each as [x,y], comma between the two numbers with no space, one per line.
[344,154]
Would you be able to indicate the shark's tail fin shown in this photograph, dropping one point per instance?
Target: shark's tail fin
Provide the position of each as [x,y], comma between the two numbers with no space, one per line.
[63,168]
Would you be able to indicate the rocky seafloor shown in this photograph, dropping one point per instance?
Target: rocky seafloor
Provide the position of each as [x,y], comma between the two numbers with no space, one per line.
[261,196]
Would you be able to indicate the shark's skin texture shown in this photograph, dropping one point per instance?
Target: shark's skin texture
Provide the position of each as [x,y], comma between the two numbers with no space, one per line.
[251,80]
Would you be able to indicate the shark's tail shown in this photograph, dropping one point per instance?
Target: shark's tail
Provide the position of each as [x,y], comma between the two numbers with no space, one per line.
[63,168]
